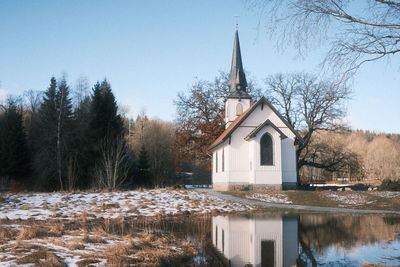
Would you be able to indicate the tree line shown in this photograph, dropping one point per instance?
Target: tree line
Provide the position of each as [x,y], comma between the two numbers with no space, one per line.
[360,155]
[63,140]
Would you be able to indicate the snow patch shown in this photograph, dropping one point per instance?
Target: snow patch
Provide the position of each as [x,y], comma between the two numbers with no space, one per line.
[271,198]
[43,206]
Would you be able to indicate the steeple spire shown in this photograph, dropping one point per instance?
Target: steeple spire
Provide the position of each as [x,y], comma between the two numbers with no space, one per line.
[237,78]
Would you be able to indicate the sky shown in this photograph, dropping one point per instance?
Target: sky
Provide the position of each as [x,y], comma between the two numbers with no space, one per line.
[151,50]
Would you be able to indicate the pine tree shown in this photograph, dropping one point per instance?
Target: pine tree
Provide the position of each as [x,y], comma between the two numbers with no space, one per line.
[14,152]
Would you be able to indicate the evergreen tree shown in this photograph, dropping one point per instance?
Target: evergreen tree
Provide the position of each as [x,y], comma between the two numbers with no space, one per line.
[44,139]
[54,133]
[143,169]
[104,124]
[82,144]
[105,121]
[14,152]
[64,130]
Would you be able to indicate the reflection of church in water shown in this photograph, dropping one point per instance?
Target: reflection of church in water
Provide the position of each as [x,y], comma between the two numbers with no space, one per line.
[258,241]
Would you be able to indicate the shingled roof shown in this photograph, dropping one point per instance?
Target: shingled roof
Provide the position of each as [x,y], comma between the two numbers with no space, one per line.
[236,123]
[260,126]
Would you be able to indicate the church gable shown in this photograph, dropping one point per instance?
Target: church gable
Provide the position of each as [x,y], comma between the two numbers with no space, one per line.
[266,123]
[255,116]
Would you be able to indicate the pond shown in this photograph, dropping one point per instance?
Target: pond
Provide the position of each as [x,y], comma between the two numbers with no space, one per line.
[274,239]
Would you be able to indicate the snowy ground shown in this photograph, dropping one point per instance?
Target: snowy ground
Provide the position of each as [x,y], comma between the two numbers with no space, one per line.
[351,199]
[43,206]
[74,229]
[271,198]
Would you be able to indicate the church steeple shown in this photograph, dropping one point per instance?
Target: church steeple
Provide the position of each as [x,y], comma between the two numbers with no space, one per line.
[237,78]
[238,99]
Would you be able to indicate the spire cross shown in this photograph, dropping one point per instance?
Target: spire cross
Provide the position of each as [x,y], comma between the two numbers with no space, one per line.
[237,22]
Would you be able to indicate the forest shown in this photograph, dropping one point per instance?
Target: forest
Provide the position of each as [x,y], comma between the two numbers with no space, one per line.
[76,137]
[70,137]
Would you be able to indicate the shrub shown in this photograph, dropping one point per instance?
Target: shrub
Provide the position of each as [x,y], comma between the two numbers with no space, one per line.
[245,188]
[389,185]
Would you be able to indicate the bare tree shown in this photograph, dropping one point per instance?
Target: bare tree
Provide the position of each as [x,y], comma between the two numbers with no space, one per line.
[113,167]
[328,156]
[358,31]
[157,138]
[309,105]
[32,100]
[81,90]
[201,116]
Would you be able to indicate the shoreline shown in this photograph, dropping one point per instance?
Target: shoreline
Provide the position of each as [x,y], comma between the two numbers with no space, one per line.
[264,204]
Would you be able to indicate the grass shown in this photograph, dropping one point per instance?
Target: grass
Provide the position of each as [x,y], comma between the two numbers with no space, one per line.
[371,200]
[114,241]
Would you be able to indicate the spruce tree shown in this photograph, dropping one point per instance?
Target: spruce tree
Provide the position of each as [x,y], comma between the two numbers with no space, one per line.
[105,121]
[45,139]
[82,144]
[105,124]
[64,130]
[143,169]
[14,152]
[55,126]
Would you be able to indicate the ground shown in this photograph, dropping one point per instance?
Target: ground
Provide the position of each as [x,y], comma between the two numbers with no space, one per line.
[362,200]
[111,228]
[77,229]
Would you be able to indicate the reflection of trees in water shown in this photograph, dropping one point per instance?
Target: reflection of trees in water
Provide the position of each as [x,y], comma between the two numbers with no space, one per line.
[196,229]
[193,228]
[318,232]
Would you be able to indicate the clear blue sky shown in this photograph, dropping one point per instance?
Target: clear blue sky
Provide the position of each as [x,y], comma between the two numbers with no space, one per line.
[151,50]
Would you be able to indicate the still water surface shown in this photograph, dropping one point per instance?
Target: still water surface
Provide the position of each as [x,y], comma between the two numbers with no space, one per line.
[272,239]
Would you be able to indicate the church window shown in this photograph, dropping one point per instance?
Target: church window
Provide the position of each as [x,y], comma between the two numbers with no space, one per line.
[223,160]
[216,236]
[266,150]
[239,109]
[216,161]
[223,241]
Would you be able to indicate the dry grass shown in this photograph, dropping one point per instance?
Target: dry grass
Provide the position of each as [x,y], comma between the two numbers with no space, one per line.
[39,255]
[94,239]
[87,262]
[31,232]
[106,206]
[7,234]
[114,241]
[52,260]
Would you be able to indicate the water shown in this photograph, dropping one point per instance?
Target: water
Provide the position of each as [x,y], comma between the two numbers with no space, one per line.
[307,240]
[273,239]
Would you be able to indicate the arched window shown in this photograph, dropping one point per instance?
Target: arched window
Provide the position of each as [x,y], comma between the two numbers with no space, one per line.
[239,109]
[266,150]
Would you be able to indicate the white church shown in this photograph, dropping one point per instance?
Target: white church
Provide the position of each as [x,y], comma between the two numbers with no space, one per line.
[256,240]
[257,150]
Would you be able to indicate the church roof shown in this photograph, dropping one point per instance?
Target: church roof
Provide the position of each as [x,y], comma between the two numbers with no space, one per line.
[237,78]
[236,123]
[262,125]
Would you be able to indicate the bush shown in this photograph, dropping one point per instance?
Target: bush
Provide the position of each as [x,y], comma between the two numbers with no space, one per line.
[389,185]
